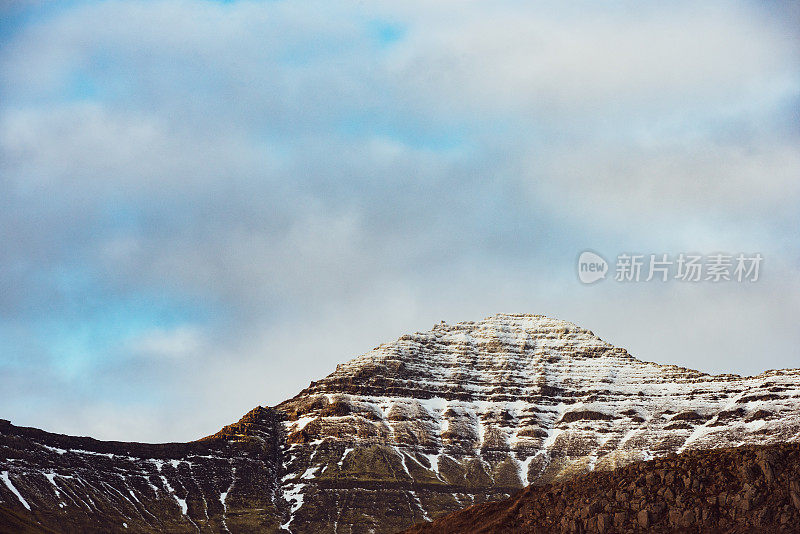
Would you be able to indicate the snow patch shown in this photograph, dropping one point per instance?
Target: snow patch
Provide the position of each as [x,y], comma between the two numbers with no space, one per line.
[52,478]
[9,485]
[301,422]
[310,473]
[293,494]
[181,502]
[347,451]
[523,466]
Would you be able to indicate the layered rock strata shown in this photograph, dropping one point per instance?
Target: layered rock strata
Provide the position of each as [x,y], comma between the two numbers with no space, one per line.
[404,433]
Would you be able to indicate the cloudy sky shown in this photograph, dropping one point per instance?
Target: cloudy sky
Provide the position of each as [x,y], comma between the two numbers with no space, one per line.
[206,205]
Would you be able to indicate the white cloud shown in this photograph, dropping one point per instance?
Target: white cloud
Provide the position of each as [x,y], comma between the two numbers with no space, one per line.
[678,181]
[180,342]
[556,61]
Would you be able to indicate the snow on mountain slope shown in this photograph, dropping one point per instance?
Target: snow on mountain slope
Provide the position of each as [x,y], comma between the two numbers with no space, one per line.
[416,428]
[487,407]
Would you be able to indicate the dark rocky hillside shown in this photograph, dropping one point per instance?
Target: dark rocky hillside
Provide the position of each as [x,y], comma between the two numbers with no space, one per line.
[226,482]
[733,490]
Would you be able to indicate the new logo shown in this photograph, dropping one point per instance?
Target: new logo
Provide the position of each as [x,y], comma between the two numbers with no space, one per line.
[591,267]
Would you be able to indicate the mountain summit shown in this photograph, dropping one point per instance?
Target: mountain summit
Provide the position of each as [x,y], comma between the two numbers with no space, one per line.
[408,431]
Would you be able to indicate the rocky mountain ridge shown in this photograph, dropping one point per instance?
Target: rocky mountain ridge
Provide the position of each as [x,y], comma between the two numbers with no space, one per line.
[56,483]
[406,432]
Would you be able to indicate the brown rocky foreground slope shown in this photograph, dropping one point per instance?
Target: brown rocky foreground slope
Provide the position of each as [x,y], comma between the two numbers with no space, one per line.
[734,490]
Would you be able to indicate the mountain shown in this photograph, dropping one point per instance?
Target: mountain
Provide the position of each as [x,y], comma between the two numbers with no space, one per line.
[404,433]
[750,489]
[224,483]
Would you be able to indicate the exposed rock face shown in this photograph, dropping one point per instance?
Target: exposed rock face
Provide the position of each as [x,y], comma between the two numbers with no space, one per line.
[413,429]
[227,482]
[745,490]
